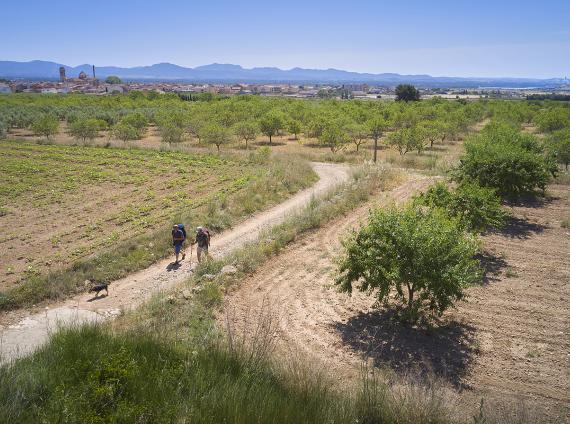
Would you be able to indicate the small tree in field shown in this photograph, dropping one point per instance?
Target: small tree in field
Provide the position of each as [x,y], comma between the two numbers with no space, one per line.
[334,137]
[509,168]
[216,134]
[418,254]
[86,129]
[125,132]
[407,93]
[407,139]
[558,145]
[246,131]
[270,124]
[294,127]
[46,125]
[477,208]
[358,134]
[376,128]
[171,133]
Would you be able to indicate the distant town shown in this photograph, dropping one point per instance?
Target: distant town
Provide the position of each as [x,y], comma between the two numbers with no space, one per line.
[89,84]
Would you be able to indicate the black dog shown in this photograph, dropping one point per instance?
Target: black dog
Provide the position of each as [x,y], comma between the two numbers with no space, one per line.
[100,287]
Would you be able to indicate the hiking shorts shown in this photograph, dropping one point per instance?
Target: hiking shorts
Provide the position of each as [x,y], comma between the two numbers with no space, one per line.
[200,249]
[177,247]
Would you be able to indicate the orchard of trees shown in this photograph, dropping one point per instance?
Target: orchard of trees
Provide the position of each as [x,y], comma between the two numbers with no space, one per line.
[406,126]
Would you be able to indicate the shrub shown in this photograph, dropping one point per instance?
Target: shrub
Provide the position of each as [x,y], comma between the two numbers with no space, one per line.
[553,120]
[507,165]
[558,145]
[421,254]
[171,133]
[123,131]
[477,208]
[86,129]
[3,129]
[46,125]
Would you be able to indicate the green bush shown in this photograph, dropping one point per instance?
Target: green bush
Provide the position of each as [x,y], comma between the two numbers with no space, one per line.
[420,254]
[46,125]
[553,120]
[86,129]
[477,208]
[558,145]
[510,164]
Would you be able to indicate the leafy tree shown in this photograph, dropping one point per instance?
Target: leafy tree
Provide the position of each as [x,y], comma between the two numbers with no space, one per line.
[433,130]
[358,134]
[111,79]
[477,208]
[3,129]
[553,120]
[216,134]
[294,127]
[171,133]
[419,254]
[558,145]
[506,167]
[271,123]
[334,137]
[247,131]
[406,139]
[46,125]
[86,129]
[125,132]
[376,128]
[407,93]
[136,120]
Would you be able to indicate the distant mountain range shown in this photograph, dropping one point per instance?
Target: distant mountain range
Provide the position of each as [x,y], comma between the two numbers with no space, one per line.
[228,73]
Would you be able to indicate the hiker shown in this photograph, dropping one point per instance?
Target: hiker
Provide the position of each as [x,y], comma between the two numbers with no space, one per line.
[203,241]
[178,237]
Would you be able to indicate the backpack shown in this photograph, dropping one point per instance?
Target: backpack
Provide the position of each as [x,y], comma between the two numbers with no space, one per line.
[181,227]
[178,235]
[206,233]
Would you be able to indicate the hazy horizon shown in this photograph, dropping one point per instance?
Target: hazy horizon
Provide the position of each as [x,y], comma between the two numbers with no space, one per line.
[443,38]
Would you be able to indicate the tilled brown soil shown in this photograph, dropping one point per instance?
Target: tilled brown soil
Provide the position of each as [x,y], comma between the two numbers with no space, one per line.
[509,343]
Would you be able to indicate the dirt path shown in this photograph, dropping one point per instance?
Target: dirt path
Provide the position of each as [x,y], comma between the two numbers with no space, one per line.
[509,342]
[23,331]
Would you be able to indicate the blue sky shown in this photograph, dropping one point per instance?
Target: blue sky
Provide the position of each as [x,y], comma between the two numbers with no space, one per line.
[453,38]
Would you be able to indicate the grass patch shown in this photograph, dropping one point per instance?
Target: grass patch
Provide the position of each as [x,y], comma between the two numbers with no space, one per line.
[91,375]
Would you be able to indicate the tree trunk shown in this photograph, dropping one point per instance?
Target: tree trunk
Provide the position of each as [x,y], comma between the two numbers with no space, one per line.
[270,140]
[410,297]
[375,149]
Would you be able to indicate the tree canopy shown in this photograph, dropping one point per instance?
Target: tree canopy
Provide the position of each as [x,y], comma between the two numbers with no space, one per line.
[419,254]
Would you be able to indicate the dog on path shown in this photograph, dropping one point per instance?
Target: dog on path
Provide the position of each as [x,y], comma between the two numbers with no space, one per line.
[100,287]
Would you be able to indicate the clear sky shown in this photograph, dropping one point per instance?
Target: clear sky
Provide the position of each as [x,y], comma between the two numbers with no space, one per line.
[441,38]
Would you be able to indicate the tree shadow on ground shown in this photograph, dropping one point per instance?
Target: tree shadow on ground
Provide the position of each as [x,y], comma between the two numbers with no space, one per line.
[533,201]
[446,351]
[519,228]
[492,266]
[267,143]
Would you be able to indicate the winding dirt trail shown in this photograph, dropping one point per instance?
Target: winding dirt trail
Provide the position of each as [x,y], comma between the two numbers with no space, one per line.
[23,331]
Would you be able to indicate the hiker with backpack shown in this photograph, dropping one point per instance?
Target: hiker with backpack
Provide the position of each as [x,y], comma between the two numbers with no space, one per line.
[203,242]
[178,238]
